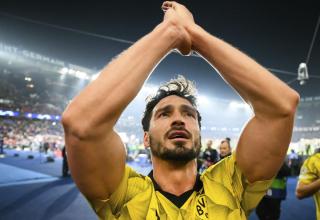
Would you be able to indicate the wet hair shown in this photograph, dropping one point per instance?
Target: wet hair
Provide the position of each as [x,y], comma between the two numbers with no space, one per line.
[180,87]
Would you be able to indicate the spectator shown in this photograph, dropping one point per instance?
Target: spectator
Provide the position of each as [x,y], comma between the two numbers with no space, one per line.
[293,163]
[210,155]
[224,149]
[309,180]
[269,207]
[65,166]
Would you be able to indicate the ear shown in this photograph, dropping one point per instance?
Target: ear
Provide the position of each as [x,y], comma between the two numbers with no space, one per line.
[146,140]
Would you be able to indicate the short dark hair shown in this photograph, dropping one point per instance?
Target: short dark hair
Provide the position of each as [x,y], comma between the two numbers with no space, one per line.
[226,141]
[180,87]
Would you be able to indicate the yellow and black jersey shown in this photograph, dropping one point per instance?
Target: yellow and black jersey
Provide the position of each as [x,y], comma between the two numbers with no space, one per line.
[310,171]
[221,192]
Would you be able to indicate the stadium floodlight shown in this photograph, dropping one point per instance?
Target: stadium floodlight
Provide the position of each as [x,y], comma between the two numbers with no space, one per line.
[234,104]
[27,79]
[81,75]
[203,100]
[93,77]
[71,71]
[238,105]
[64,70]
[148,89]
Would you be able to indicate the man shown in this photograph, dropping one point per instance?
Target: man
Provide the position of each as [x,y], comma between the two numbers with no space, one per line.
[171,124]
[294,163]
[1,144]
[309,180]
[224,149]
[210,155]
[269,207]
[65,167]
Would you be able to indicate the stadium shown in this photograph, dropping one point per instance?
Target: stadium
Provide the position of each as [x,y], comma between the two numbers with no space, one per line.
[37,83]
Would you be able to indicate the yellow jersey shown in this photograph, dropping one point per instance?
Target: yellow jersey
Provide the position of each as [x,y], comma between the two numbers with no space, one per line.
[310,171]
[224,194]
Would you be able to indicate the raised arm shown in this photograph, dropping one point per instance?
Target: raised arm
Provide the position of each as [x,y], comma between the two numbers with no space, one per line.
[264,141]
[95,152]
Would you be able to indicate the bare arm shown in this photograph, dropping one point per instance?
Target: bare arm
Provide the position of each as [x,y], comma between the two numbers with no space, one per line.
[95,152]
[304,190]
[265,139]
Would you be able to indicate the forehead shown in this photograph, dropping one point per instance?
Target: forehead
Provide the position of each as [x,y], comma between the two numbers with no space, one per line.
[224,144]
[172,100]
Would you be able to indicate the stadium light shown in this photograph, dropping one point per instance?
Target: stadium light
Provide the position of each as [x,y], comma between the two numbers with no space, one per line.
[203,100]
[75,73]
[95,76]
[238,105]
[63,70]
[149,89]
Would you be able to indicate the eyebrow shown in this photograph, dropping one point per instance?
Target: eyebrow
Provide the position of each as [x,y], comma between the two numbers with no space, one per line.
[182,108]
[164,109]
[188,108]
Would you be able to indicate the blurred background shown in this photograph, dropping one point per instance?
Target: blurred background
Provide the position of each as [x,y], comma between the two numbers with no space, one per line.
[49,51]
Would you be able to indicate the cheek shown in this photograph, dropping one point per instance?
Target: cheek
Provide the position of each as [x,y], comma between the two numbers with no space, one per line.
[157,130]
[195,131]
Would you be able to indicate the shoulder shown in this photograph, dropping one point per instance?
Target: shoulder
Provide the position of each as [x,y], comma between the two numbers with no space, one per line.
[225,185]
[312,160]
[228,173]
[220,171]
[136,181]
[134,190]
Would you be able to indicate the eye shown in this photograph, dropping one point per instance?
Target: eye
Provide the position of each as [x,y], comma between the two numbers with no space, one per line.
[190,114]
[164,114]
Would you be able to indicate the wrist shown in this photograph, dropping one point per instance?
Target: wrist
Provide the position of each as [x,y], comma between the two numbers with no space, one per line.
[196,32]
[172,31]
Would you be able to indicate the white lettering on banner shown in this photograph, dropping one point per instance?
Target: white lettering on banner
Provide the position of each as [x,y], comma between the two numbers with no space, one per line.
[30,54]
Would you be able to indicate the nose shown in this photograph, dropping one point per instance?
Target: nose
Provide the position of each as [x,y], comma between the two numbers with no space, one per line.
[178,120]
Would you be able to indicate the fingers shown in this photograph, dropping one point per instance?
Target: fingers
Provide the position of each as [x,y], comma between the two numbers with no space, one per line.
[165,6]
[168,4]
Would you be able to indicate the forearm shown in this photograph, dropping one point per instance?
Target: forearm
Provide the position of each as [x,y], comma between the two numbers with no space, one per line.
[273,102]
[100,104]
[306,190]
[256,85]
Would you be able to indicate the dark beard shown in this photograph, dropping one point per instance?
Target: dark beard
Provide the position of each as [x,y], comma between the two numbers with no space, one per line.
[180,154]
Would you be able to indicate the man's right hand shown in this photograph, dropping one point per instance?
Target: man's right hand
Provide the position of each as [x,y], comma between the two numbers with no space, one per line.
[182,18]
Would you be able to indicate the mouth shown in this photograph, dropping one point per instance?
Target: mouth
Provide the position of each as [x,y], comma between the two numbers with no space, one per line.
[178,135]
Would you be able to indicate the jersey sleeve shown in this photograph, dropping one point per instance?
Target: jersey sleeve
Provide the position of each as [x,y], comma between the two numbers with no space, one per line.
[234,190]
[131,184]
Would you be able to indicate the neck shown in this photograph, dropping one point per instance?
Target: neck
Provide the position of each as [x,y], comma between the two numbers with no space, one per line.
[174,178]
